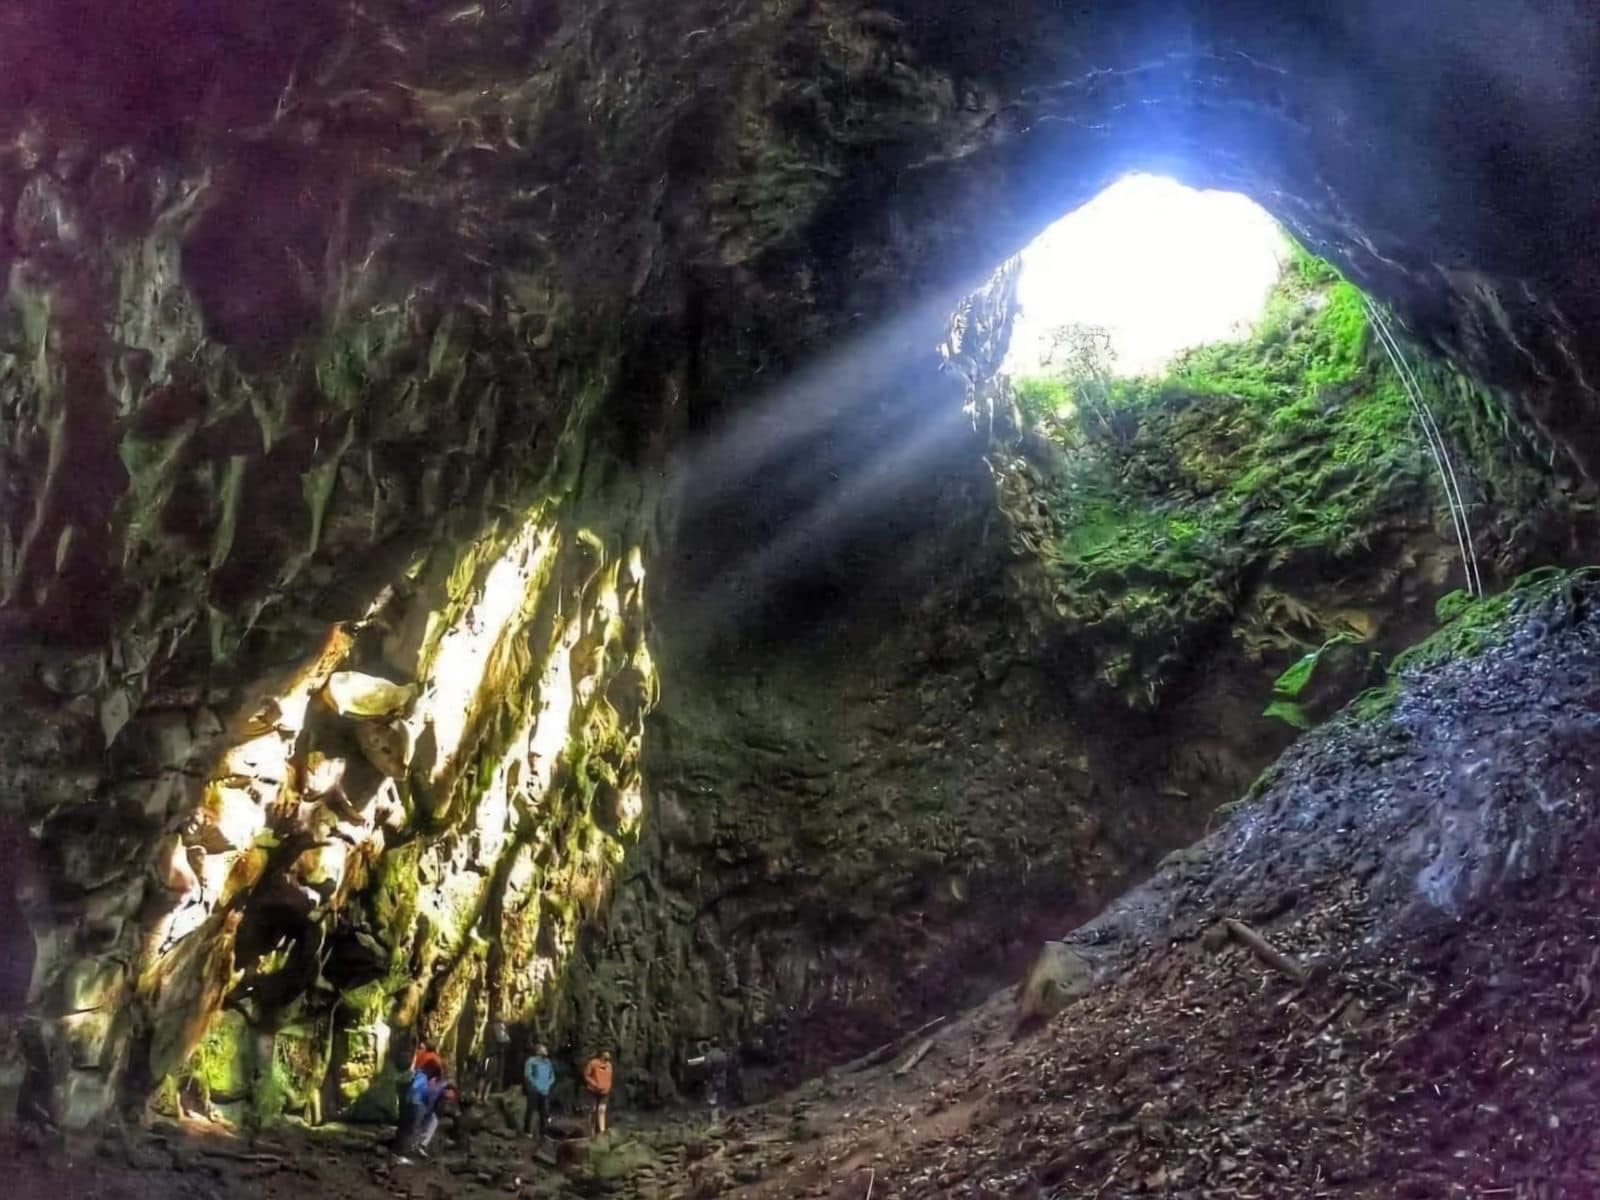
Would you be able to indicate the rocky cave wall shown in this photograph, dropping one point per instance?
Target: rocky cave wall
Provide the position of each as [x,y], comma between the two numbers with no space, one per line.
[320,319]
[892,758]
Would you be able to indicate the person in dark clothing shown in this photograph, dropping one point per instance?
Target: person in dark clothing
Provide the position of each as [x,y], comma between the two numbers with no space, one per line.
[497,1040]
[538,1077]
[714,1060]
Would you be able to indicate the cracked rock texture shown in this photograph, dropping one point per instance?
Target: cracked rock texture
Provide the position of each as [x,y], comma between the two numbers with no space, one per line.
[358,363]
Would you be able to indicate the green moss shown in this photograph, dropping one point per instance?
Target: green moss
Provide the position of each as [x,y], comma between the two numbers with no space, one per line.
[1292,445]
[392,898]
[290,1083]
[364,352]
[1472,626]
[1292,701]
[224,1061]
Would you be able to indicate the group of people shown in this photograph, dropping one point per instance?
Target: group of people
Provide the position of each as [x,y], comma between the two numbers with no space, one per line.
[539,1076]
[428,1088]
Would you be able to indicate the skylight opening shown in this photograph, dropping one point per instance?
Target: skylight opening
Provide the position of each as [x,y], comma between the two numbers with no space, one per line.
[1158,266]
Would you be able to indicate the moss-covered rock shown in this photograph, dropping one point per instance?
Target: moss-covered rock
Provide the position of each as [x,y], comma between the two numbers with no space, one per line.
[225,1063]
[290,1081]
[1471,625]
[1267,490]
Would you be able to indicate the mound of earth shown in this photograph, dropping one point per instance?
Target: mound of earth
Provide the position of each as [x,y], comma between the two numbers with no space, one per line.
[1433,874]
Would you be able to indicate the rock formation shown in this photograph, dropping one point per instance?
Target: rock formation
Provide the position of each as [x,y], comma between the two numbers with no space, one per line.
[360,364]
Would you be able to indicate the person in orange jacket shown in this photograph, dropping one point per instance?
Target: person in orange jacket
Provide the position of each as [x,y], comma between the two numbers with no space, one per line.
[597,1082]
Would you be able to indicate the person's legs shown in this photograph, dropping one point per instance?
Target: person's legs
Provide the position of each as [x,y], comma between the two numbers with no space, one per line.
[430,1126]
[600,1114]
[544,1114]
[530,1104]
[406,1132]
[491,1074]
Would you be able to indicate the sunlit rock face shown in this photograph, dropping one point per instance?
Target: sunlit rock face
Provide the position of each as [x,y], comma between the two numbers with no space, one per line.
[368,340]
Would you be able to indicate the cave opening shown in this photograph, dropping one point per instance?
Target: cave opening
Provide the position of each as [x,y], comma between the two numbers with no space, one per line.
[1160,267]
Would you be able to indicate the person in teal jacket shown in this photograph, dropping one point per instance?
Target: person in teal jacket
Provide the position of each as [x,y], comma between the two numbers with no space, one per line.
[538,1077]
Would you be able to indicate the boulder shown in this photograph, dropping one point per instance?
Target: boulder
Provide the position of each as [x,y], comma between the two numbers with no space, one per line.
[367,697]
[1058,976]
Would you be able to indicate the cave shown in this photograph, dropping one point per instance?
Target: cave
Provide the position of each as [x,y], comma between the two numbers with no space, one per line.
[522,515]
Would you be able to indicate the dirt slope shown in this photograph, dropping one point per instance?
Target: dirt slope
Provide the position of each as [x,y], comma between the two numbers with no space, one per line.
[1436,871]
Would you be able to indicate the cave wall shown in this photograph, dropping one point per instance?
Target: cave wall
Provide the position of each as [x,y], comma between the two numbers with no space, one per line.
[897,751]
[309,308]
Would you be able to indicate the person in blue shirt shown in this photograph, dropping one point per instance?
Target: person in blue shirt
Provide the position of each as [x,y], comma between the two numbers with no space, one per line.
[538,1077]
[419,1105]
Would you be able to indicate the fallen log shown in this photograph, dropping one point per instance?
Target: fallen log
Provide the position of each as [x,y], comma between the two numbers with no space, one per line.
[912,1059]
[1266,951]
[889,1049]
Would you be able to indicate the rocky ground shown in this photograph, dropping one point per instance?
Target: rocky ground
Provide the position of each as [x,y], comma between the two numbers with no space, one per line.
[1430,876]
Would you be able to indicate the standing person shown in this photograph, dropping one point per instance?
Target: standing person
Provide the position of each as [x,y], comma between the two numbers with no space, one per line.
[491,1070]
[538,1077]
[419,1104]
[716,1079]
[438,1095]
[597,1082]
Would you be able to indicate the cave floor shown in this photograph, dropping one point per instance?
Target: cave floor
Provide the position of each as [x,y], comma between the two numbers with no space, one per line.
[1435,876]
[1467,1071]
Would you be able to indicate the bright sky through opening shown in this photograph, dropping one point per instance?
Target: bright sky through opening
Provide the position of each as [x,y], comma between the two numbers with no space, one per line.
[1161,266]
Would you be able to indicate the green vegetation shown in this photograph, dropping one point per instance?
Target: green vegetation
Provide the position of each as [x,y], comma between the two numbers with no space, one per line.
[224,1063]
[1042,398]
[1293,437]
[1247,472]
[1290,690]
[1296,443]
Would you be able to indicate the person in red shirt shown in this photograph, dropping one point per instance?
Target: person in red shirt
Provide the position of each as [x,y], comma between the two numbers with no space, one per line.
[597,1083]
[427,1059]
